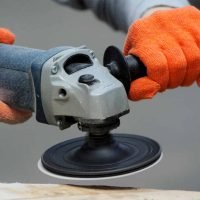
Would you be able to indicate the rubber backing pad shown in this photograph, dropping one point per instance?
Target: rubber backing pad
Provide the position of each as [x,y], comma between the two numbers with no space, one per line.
[124,154]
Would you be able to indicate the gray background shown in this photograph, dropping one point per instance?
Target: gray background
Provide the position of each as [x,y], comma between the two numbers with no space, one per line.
[171,118]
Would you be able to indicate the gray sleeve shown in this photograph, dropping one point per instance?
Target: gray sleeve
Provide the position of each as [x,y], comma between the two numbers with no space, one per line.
[120,14]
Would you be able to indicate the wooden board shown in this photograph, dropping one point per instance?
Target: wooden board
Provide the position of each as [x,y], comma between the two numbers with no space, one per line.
[18,191]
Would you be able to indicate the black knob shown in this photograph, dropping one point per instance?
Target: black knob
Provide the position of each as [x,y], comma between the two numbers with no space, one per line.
[86,79]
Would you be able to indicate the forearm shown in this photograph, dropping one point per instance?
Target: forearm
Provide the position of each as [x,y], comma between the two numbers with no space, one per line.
[120,14]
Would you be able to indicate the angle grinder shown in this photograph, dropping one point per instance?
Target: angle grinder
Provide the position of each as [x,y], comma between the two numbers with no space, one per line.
[68,85]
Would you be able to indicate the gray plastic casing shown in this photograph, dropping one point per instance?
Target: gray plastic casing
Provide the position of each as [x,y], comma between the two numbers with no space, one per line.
[103,99]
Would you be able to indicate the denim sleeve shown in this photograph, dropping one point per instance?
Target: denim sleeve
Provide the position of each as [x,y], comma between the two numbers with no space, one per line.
[120,14]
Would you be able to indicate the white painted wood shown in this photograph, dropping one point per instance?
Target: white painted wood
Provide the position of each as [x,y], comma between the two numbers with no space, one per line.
[16,191]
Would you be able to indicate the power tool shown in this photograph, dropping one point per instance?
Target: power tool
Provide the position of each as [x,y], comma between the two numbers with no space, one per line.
[68,85]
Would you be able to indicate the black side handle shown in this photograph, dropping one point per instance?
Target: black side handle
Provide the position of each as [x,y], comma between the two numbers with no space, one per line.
[125,68]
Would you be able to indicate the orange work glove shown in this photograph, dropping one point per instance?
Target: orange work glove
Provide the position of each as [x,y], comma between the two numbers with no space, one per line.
[8,114]
[168,43]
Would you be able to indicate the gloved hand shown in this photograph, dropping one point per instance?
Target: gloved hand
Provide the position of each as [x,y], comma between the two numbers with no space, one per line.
[8,114]
[168,43]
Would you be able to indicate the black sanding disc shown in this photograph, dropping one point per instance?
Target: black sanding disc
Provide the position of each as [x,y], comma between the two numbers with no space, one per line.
[124,154]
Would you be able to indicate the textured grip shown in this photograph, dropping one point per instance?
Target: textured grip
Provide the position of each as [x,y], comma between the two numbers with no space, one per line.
[16,86]
[20,77]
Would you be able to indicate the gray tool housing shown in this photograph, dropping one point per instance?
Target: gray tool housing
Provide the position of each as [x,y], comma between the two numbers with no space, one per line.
[88,93]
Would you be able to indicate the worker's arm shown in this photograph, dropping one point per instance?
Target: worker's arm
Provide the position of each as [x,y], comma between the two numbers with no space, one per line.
[120,14]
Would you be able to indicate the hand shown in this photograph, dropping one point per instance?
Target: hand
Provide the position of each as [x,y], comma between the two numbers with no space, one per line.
[7,114]
[168,43]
